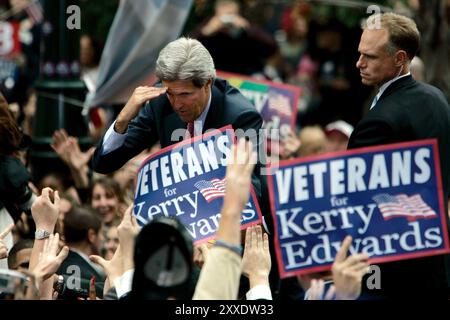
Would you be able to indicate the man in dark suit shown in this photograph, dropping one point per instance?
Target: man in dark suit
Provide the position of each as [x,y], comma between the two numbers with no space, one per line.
[82,236]
[403,110]
[188,99]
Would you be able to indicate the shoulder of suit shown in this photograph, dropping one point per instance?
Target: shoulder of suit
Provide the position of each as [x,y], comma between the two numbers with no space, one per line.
[232,96]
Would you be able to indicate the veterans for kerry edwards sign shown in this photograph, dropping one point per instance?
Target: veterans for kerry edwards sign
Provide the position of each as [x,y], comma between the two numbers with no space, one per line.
[388,198]
[276,102]
[187,181]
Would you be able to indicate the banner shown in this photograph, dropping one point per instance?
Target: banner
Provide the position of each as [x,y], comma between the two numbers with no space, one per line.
[187,181]
[9,39]
[388,198]
[141,28]
[277,103]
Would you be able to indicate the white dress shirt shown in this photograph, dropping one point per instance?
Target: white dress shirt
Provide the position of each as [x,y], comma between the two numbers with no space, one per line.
[384,87]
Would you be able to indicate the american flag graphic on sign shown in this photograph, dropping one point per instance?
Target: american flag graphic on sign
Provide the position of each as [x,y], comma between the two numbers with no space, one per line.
[280,104]
[211,190]
[403,206]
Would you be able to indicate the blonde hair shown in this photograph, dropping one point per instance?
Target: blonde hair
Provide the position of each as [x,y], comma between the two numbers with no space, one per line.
[403,32]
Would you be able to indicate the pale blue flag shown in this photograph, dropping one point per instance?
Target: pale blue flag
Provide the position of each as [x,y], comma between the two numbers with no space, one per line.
[141,28]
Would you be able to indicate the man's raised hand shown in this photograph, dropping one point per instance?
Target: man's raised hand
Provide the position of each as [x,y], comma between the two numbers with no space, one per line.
[138,98]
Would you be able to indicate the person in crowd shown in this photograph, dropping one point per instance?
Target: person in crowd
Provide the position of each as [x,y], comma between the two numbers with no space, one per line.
[343,282]
[220,274]
[16,196]
[338,133]
[235,44]
[107,199]
[312,141]
[111,242]
[19,255]
[188,101]
[82,236]
[403,110]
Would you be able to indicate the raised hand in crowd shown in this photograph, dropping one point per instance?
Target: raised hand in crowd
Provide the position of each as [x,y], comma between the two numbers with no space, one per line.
[51,258]
[68,149]
[3,248]
[219,278]
[122,260]
[45,210]
[348,272]
[127,230]
[113,268]
[138,98]
[256,263]
[317,288]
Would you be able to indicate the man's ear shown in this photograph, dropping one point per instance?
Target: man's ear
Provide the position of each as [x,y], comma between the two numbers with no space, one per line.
[92,235]
[401,58]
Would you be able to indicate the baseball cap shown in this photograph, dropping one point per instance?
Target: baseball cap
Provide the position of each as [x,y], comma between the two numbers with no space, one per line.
[340,126]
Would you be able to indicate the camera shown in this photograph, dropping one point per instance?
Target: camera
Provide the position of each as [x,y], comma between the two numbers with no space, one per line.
[227,19]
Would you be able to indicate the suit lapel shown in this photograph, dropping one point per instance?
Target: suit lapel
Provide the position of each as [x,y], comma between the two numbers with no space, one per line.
[396,85]
[215,107]
[171,124]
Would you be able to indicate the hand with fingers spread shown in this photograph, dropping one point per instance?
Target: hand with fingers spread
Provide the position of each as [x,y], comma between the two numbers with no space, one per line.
[256,261]
[113,268]
[59,144]
[348,272]
[45,211]
[50,258]
[316,291]
[78,159]
[138,98]
[3,247]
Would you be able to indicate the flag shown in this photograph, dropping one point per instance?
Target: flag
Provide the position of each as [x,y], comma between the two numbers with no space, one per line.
[281,104]
[141,28]
[211,190]
[35,11]
[403,206]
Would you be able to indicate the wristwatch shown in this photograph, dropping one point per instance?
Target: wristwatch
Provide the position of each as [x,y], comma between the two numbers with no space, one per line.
[41,234]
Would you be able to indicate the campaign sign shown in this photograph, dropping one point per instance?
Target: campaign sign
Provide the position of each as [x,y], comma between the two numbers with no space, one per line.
[187,181]
[277,103]
[388,198]
[9,39]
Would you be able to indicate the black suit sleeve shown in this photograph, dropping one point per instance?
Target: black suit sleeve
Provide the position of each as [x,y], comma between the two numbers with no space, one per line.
[141,134]
[372,132]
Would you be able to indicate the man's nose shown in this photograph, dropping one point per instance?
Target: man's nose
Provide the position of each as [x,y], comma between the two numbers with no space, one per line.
[360,62]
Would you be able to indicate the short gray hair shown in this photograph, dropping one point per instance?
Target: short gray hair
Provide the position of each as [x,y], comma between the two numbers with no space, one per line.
[185,59]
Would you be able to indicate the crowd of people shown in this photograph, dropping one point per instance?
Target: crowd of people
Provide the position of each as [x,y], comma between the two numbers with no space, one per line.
[72,234]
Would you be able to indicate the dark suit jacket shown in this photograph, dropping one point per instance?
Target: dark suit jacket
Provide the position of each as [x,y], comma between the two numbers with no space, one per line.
[83,269]
[409,110]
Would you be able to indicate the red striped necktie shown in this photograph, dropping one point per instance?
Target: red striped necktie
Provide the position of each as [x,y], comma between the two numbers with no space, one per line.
[189,130]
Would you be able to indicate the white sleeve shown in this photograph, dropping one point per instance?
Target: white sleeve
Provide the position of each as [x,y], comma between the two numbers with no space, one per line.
[259,292]
[124,283]
[112,139]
